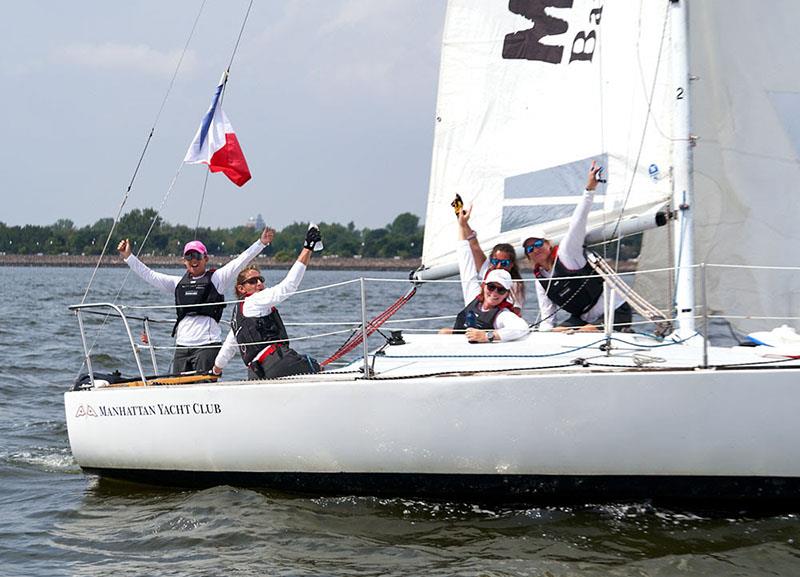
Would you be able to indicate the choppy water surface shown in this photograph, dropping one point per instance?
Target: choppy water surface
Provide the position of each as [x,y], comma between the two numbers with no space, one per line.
[57,521]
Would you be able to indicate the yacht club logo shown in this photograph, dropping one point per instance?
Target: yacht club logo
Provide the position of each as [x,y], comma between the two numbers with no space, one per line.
[156,409]
[527,45]
[86,412]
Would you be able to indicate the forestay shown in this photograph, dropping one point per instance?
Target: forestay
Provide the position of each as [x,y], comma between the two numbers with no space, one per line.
[530,93]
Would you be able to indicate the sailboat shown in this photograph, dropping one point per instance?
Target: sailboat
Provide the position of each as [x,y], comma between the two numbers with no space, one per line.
[687,111]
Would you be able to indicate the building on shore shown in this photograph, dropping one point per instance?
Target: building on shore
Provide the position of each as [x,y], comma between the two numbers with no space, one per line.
[256,222]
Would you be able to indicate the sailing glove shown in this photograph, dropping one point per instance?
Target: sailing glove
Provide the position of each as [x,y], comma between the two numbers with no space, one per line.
[312,238]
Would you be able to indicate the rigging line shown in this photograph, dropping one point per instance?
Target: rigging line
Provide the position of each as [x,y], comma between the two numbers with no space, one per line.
[144,150]
[160,208]
[221,99]
[180,166]
[602,118]
[202,200]
[128,273]
[646,120]
[241,31]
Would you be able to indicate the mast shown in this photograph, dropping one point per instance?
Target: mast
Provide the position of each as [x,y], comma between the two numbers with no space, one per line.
[682,197]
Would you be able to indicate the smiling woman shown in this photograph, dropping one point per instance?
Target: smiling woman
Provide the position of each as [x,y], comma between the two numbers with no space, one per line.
[257,329]
[489,314]
[199,295]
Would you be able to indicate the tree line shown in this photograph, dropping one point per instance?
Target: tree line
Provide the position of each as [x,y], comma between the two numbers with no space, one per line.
[401,238]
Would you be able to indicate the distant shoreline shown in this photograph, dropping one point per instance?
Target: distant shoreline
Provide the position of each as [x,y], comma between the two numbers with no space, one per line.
[317,262]
[114,261]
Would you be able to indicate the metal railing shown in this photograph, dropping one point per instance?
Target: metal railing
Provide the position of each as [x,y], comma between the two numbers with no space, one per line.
[127,313]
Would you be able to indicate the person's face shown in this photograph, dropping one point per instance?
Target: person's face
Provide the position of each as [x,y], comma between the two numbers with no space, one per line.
[538,252]
[493,294]
[195,262]
[502,260]
[252,283]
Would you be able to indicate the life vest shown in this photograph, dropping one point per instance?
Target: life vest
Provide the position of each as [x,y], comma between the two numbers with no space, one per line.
[479,318]
[574,295]
[250,330]
[195,291]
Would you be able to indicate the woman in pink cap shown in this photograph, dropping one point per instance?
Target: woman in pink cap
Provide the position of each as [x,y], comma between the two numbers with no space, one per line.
[198,297]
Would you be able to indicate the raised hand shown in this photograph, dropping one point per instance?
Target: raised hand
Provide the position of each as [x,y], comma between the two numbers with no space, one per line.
[594,172]
[313,236]
[463,216]
[124,248]
[267,235]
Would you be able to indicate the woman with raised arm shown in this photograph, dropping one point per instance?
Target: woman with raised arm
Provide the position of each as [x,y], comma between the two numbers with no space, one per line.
[488,316]
[502,257]
[257,330]
[565,278]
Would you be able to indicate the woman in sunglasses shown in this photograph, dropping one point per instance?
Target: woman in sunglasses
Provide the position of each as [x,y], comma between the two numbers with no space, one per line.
[257,329]
[502,257]
[566,280]
[488,315]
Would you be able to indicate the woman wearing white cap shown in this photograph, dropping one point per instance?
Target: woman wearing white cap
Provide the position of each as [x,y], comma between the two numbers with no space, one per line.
[565,278]
[196,332]
[488,315]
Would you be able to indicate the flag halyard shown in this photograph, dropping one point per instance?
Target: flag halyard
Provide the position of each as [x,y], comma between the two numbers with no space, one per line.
[217,146]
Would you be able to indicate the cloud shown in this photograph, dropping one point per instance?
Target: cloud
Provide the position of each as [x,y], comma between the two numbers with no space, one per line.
[356,48]
[354,12]
[125,57]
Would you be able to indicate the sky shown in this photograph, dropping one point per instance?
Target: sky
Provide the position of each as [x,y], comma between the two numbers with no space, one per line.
[333,102]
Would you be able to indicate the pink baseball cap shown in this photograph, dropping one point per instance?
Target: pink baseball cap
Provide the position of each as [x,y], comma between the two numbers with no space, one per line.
[195,245]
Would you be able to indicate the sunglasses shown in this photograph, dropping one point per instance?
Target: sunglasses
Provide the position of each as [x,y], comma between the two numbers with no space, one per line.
[535,244]
[193,255]
[253,280]
[503,262]
[496,288]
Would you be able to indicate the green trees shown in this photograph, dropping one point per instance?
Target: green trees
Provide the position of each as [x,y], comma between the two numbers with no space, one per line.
[401,238]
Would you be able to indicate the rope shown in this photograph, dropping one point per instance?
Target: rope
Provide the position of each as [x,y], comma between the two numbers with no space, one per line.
[221,99]
[646,123]
[126,195]
[144,151]
[141,158]
[634,299]
[358,337]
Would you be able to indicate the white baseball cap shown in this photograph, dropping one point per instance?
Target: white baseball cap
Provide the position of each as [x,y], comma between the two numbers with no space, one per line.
[499,276]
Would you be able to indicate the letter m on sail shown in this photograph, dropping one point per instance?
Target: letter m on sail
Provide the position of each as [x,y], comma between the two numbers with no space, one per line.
[526,45]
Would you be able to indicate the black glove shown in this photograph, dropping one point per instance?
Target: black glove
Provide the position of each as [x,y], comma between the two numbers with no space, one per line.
[312,238]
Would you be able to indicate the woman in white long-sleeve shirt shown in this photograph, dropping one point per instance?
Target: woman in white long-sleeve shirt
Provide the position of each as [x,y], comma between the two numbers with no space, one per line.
[488,315]
[197,332]
[257,330]
[553,267]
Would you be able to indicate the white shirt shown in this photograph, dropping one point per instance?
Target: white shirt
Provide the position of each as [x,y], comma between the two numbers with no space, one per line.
[508,325]
[260,304]
[572,256]
[196,330]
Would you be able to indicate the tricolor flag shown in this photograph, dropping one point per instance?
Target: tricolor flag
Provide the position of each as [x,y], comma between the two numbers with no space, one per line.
[215,144]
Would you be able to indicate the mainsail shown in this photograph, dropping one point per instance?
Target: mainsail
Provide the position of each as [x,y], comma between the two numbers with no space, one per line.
[529,93]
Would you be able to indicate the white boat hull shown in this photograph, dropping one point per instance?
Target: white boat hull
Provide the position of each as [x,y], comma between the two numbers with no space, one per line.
[521,426]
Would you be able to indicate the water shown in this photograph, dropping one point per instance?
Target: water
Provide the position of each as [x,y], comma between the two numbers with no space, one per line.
[54,520]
